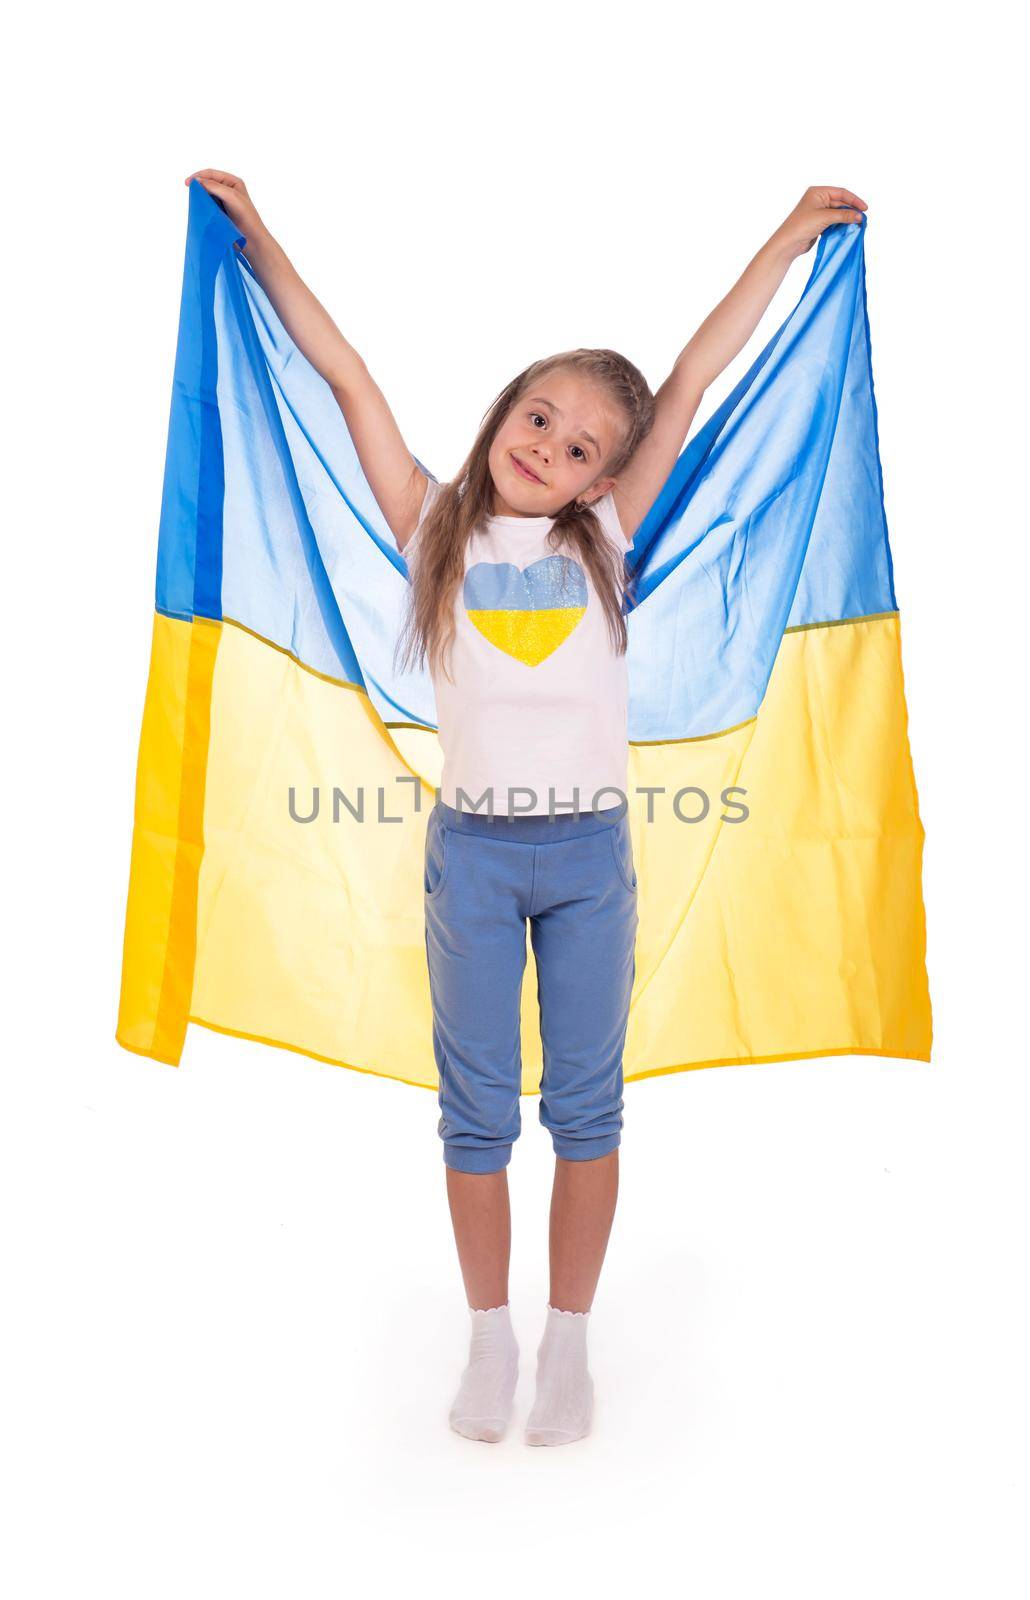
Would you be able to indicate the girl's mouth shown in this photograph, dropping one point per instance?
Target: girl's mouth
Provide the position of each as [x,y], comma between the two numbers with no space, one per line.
[525,472]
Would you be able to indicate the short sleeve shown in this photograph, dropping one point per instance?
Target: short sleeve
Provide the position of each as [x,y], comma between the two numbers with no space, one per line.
[433,491]
[604,509]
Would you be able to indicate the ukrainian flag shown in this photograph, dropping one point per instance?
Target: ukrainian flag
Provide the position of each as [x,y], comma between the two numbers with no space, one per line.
[275,887]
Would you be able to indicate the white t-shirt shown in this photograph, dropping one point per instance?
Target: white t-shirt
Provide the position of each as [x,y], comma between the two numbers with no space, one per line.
[539,694]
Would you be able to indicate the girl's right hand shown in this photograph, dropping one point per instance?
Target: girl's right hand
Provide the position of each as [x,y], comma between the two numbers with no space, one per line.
[232,192]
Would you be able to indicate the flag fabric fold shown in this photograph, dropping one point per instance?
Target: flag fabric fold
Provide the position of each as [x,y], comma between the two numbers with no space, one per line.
[286,766]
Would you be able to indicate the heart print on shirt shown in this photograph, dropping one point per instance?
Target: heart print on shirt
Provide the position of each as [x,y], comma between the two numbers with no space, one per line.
[526,612]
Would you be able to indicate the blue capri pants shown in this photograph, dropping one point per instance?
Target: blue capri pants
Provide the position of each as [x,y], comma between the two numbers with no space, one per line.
[573,878]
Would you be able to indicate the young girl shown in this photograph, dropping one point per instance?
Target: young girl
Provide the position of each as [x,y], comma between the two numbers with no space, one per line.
[517,603]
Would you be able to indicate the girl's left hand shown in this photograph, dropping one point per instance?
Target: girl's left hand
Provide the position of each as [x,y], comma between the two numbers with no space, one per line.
[817,210]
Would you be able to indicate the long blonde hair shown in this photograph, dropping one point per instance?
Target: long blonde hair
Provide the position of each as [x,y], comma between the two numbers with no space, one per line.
[466,501]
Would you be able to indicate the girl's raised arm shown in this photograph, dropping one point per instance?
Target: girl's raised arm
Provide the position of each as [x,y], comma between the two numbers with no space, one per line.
[722,335]
[396,480]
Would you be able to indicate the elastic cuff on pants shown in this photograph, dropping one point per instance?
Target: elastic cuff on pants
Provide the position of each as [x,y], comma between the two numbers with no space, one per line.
[586,1149]
[463,1159]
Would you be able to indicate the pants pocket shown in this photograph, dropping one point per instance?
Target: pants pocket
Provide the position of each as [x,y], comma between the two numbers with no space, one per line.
[621,842]
[437,857]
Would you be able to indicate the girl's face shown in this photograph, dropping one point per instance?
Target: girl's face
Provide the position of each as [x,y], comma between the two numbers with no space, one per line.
[561,432]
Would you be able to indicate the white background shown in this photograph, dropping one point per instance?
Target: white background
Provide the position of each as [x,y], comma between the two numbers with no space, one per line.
[234,1314]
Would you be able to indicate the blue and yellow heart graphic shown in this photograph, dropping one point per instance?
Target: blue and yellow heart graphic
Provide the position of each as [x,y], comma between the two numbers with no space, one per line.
[526,613]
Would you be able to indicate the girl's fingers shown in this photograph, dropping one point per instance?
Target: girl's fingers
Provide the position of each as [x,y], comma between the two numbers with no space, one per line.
[840,214]
[845,197]
[228,178]
[219,190]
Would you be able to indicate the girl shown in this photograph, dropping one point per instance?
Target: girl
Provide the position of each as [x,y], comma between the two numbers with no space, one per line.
[517,601]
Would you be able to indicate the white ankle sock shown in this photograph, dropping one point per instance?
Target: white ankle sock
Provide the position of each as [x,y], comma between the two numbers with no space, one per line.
[482,1406]
[564,1404]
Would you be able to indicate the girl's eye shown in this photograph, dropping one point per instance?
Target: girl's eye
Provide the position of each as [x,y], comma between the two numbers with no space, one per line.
[533,415]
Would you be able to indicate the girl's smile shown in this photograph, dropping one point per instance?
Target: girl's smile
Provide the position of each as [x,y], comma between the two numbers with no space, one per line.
[525,472]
